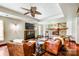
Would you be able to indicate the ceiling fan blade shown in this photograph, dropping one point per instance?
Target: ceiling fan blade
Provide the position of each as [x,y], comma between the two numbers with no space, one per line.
[38,13]
[25,9]
[26,13]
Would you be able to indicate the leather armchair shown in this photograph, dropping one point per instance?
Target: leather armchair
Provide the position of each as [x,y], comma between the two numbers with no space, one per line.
[10,48]
[15,49]
[77,49]
[71,48]
[18,49]
[52,47]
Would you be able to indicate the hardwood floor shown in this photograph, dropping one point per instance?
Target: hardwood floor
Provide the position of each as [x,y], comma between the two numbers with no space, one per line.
[4,51]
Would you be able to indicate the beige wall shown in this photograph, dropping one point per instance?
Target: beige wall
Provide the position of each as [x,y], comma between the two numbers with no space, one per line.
[9,34]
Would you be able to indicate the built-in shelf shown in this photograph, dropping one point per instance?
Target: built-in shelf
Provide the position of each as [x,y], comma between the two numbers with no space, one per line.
[58,28]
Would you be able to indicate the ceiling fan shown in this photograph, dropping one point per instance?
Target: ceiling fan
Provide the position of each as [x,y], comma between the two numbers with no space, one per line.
[33,11]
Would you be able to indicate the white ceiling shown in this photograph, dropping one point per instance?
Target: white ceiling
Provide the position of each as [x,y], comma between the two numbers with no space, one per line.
[47,9]
[50,11]
[69,9]
[8,15]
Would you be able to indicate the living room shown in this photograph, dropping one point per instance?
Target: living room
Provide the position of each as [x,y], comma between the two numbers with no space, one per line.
[39,29]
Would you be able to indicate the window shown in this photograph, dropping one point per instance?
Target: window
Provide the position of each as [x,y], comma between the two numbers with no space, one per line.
[1,31]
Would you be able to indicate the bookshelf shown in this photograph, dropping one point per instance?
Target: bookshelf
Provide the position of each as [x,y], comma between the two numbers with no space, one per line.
[57,28]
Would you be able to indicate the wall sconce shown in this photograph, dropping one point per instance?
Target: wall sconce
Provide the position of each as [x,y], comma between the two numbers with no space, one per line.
[14,27]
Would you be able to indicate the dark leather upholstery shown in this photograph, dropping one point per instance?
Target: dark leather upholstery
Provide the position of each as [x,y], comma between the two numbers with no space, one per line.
[15,49]
[21,49]
[18,49]
[29,48]
[77,49]
[53,46]
[71,47]
[10,48]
